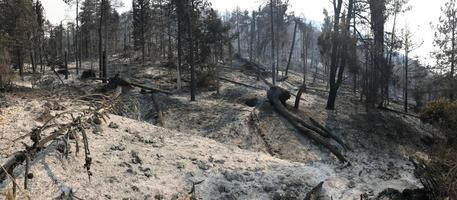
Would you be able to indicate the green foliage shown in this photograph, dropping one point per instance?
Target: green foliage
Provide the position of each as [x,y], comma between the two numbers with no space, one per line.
[141,16]
[442,113]
[439,175]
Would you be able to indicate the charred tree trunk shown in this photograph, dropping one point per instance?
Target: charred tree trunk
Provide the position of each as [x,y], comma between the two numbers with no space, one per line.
[273,69]
[66,64]
[180,11]
[32,60]
[292,47]
[252,39]
[378,74]
[100,38]
[406,83]
[78,50]
[299,93]
[193,86]
[278,97]
[334,57]
[105,75]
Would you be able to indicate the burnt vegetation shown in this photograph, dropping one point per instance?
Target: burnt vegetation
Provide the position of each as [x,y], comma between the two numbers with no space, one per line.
[164,56]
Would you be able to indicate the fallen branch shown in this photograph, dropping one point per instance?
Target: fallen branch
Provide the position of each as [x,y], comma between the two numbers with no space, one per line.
[330,134]
[278,98]
[238,83]
[398,112]
[55,132]
[118,81]
[57,74]
[154,90]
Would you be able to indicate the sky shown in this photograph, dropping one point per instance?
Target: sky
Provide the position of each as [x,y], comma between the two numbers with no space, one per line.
[419,18]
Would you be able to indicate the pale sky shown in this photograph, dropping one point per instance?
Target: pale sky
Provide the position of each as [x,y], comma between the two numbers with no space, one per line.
[423,12]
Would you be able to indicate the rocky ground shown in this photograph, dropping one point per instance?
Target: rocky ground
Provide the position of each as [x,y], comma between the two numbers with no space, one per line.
[215,148]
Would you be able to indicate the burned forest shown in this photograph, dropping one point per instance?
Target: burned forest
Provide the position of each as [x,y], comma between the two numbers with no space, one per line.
[215,99]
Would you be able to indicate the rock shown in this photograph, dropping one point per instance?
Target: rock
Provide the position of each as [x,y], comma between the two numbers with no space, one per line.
[130,171]
[222,189]
[88,74]
[45,116]
[268,187]
[159,196]
[351,184]
[66,193]
[252,102]
[416,194]
[278,195]
[119,147]
[146,171]
[180,165]
[125,164]
[219,161]
[135,158]
[135,189]
[113,125]
[28,108]
[97,130]
[97,121]
[233,176]
[112,179]
[156,142]
[203,165]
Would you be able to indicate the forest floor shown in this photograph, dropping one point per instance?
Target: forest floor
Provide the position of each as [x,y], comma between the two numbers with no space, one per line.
[215,148]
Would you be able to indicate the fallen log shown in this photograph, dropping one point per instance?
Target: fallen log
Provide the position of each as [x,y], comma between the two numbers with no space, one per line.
[238,83]
[337,139]
[397,112]
[118,81]
[283,78]
[278,98]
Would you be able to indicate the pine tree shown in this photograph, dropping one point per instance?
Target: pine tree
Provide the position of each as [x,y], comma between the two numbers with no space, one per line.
[141,15]
[445,40]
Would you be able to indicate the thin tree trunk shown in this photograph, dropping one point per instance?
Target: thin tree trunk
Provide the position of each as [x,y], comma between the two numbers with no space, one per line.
[239,33]
[193,86]
[452,88]
[251,42]
[100,39]
[406,81]
[20,62]
[273,70]
[32,60]
[292,47]
[334,58]
[105,75]
[77,53]
[66,64]
[180,11]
